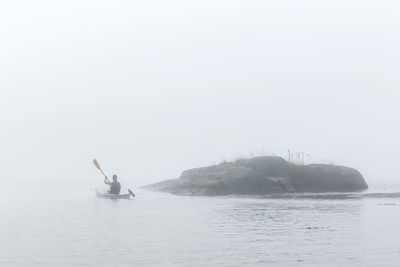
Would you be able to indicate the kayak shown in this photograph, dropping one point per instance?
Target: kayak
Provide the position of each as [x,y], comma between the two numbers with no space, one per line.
[114,196]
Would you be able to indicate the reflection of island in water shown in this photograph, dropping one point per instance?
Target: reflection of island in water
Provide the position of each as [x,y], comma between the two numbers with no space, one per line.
[263,176]
[334,195]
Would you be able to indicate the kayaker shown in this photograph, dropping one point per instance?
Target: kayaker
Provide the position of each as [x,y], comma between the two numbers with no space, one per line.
[115,186]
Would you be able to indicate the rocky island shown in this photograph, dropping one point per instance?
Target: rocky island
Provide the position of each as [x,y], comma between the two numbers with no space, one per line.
[262,176]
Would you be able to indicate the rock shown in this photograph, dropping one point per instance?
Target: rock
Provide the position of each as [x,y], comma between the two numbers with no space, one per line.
[263,175]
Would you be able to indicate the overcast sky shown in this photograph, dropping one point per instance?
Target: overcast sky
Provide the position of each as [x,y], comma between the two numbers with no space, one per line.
[151,88]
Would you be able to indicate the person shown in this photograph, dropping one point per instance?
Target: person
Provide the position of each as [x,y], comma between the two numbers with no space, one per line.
[115,186]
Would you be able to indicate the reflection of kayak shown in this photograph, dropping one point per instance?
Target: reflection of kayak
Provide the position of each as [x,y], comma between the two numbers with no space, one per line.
[114,196]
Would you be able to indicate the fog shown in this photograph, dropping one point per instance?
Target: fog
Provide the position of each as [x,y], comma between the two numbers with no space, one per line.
[156,87]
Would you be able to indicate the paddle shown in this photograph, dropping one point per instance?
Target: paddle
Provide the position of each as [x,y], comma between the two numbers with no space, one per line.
[131,193]
[96,163]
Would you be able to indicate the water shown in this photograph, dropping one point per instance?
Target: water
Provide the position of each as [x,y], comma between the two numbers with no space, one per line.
[74,228]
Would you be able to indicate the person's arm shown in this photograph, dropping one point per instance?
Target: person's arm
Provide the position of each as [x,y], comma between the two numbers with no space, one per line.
[106,181]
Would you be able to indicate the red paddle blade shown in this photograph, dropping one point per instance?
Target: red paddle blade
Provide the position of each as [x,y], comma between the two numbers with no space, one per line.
[96,163]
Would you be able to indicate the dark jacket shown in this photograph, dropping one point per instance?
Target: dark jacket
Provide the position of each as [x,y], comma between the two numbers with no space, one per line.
[115,188]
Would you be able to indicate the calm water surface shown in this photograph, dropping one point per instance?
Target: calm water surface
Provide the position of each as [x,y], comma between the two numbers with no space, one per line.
[61,228]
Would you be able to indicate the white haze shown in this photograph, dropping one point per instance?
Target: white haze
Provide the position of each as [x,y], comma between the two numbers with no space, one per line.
[151,88]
